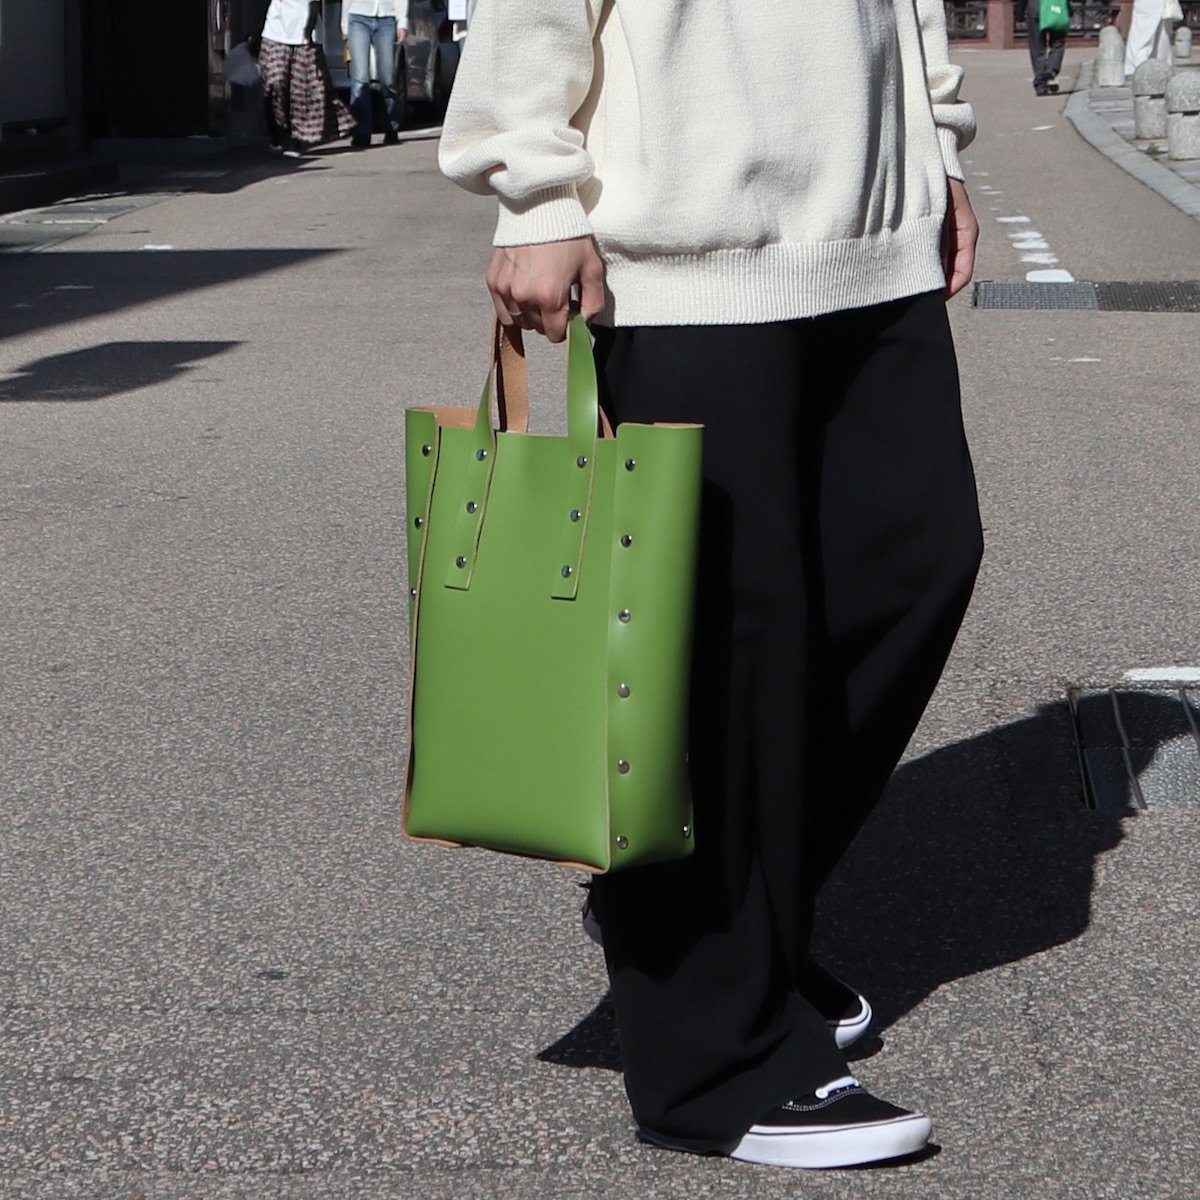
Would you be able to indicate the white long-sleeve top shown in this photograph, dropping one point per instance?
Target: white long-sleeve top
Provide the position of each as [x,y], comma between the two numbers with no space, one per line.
[286,21]
[736,161]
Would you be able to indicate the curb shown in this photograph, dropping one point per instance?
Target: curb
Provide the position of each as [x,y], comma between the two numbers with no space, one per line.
[1096,131]
[37,187]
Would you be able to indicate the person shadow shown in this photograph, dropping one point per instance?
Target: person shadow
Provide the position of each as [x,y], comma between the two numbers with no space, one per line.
[981,853]
[110,369]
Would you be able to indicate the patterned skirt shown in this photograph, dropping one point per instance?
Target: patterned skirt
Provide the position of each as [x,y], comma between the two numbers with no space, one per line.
[300,93]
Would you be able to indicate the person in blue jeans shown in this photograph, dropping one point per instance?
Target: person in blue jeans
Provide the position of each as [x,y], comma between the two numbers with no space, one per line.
[378,25]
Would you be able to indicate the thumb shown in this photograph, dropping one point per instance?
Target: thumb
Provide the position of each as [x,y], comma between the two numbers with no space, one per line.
[591,288]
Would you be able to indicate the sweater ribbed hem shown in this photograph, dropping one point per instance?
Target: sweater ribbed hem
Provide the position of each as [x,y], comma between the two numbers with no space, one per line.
[772,283]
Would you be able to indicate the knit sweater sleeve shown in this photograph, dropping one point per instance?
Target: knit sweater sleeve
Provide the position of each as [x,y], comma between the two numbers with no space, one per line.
[954,118]
[526,69]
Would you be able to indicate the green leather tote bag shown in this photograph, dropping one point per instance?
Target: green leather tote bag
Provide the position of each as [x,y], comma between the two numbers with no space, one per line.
[552,584]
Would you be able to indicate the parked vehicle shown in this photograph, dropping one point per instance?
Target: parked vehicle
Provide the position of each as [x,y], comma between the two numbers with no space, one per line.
[426,61]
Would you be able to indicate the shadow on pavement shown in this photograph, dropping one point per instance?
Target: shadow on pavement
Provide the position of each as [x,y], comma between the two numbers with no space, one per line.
[45,290]
[981,854]
[109,369]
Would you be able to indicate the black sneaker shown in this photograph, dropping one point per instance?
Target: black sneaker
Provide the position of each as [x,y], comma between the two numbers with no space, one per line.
[360,141]
[391,138]
[587,914]
[846,1012]
[838,1125]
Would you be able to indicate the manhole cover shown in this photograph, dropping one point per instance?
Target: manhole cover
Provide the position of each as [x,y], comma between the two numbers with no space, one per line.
[1139,747]
[1169,296]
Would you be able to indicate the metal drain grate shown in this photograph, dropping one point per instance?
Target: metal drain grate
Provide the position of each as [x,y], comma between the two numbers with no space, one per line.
[1138,747]
[1169,296]
[1172,296]
[991,293]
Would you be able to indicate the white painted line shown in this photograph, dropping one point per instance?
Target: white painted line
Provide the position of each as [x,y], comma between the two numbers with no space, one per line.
[1044,259]
[1013,220]
[158,247]
[1163,675]
[1041,128]
[1085,359]
[1059,276]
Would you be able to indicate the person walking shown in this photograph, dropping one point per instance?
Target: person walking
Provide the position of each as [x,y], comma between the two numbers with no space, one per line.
[1150,30]
[379,25]
[301,108]
[1046,49]
[761,212]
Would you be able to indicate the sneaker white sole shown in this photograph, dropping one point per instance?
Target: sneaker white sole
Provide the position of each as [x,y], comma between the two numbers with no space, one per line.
[817,1147]
[848,1031]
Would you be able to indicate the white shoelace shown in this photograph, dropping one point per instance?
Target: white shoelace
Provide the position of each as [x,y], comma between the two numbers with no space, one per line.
[838,1085]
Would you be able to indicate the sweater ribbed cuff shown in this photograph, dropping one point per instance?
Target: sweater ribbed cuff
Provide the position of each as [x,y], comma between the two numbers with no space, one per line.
[948,140]
[552,215]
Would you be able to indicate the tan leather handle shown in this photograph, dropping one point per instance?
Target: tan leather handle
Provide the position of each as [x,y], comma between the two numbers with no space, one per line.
[512,382]
[512,378]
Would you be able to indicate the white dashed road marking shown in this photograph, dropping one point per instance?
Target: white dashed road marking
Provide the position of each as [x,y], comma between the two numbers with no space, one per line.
[1027,241]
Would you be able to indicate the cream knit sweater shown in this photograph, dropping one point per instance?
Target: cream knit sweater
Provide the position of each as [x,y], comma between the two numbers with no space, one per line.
[736,160]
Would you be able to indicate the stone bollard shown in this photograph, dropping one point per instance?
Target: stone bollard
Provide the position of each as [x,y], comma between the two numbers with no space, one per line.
[1183,42]
[1110,58]
[1150,99]
[1183,115]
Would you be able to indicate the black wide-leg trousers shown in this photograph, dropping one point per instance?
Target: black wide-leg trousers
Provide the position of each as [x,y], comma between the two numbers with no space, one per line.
[840,540]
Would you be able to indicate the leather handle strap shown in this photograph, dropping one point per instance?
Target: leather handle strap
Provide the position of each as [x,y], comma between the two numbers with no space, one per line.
[508,380]
[512,378]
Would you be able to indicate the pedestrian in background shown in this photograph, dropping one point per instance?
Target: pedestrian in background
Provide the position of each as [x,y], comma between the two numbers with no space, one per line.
[1046,48]
[380,25]
[1150,30]
[301,107]
[762,208]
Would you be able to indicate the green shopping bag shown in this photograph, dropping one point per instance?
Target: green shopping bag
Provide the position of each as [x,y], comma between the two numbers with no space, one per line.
[1054,16]
[552,585]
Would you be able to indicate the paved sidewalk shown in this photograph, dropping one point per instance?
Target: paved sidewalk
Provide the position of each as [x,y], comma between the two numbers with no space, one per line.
[223,972]
[1104,117]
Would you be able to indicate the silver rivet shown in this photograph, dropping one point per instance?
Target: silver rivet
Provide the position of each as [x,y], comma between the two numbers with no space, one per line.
[623,616]
[460,561]
[623,691]
[566,572]
[412,592]
[427,450]
[687,831]
[472,506]
[481,455]
[581,461]
[575,514]
[622,843]
[630,463]
[622,767]
[419,522]
[627,539]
